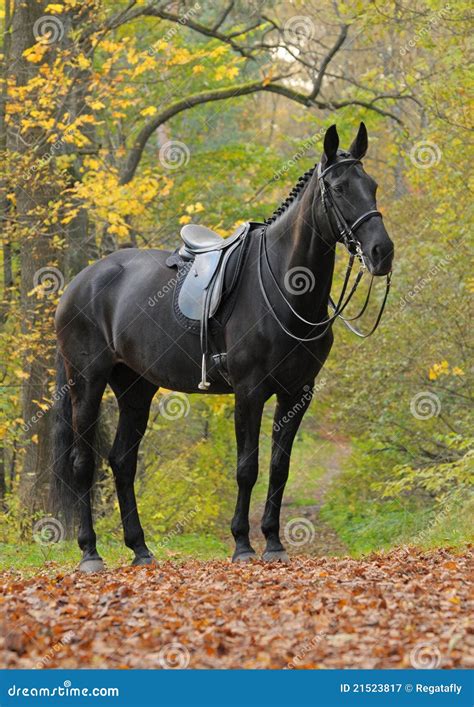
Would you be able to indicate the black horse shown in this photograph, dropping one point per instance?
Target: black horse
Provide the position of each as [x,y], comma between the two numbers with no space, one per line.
[276,339]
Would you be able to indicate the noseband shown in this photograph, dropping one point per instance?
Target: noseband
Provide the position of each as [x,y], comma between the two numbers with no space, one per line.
[345,232]
[346,235]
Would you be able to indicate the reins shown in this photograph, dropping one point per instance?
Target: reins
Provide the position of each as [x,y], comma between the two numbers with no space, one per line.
[346,235]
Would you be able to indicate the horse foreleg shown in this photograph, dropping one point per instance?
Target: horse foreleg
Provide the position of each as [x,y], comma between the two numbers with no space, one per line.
[288,415]
[248,416]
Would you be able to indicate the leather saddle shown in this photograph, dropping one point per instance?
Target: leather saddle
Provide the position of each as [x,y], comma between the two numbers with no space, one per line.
[204,287]
[201,292]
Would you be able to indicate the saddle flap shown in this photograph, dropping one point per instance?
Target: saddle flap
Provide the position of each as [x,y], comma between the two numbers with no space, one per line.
[218,285]
[194,288]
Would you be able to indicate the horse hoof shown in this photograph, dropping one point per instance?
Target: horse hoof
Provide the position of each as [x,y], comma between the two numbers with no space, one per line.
[142,561]
[244,557]
[276,556]
[92,565]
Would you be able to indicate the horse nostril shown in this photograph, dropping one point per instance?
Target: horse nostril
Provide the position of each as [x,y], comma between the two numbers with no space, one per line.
[375,251]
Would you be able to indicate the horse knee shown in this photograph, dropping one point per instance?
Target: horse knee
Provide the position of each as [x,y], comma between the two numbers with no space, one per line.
[247,474]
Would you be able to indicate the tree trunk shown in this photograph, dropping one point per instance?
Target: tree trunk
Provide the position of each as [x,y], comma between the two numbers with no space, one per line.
[36,252]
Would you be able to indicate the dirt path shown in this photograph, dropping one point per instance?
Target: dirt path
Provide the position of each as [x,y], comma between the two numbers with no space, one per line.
[396,610]
[303,529]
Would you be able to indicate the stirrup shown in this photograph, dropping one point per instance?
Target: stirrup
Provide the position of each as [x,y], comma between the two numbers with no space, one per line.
[204,384]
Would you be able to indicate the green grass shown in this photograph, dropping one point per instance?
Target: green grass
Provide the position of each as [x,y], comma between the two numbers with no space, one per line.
[31,557]
[367,525]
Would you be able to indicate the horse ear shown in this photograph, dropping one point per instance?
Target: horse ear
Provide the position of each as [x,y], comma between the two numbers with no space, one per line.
[331,143]
[360,144]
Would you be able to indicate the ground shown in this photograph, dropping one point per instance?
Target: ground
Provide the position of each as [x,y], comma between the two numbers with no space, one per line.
[402,609]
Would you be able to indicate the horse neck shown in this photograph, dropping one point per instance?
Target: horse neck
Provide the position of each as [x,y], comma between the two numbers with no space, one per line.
[295,244]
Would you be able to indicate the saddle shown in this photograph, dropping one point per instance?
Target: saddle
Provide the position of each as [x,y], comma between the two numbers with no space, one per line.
[207,256]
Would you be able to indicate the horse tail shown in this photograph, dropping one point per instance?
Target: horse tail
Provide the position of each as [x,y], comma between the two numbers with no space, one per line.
[64,497]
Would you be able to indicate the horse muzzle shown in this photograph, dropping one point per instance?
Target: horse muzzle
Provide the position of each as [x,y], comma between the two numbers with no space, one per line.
[379,257]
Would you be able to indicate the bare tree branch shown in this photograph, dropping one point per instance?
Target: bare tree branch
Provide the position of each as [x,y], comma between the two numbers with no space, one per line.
[220,94]
[224,16]
[327,59]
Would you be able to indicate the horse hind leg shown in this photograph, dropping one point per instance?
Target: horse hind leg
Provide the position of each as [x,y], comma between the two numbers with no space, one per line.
[86,395]
[134,395]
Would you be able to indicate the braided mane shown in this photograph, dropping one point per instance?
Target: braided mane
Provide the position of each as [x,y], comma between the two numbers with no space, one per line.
[295,192]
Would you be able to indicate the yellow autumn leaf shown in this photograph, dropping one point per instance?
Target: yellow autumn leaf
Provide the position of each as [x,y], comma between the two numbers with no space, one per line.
[54,8]
[151,110]
[83,62]
[232,72]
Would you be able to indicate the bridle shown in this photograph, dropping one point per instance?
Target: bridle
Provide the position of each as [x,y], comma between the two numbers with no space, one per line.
[345,232]
[346,235]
